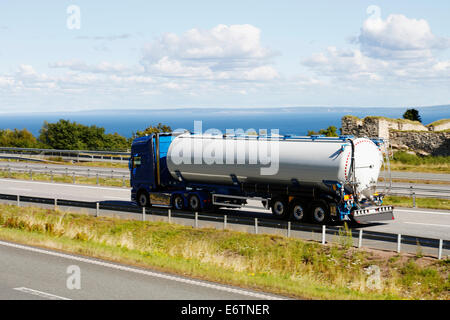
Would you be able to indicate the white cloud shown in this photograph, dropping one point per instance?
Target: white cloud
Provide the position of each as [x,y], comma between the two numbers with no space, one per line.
[397,49]
[223,52]
[399,37]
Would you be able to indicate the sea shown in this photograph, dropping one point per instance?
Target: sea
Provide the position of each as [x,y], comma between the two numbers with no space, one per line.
[288,120]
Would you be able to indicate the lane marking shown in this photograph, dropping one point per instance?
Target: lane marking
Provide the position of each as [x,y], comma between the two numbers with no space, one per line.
[20,189]
[65,185]
[430,224]
[40,294]
[418,211]
[119,198]
[144,272]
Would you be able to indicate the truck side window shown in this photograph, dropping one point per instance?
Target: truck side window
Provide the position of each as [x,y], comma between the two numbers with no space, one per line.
[136,162]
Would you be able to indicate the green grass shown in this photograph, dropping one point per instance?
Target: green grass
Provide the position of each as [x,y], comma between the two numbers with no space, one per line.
[430,203]
[403,161]
[113,182]
[271,263]
[59,160]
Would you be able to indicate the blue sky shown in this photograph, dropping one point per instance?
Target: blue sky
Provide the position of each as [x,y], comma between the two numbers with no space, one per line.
[170,54]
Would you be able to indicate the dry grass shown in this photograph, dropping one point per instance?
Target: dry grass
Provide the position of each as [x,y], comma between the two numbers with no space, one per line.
[272,263]
[113,182]
[430,203]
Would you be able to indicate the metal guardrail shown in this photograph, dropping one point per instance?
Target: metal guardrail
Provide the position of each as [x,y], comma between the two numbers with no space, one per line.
[67,172]
[77,155]
[288,226]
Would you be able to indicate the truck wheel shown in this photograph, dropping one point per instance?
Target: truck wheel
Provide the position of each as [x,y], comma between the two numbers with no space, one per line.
[280,208]
[320,213]
[194,203]
[298,211]
[178,202]
[143,199]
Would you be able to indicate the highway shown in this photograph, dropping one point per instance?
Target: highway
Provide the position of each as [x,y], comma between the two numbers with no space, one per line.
[124,171]
[35,273]
[417,222]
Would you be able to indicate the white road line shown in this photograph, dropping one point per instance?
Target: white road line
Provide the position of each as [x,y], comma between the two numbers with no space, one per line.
[20,189]
[40,294]
[430,224]
[418,211]
[144,272]
[65,185]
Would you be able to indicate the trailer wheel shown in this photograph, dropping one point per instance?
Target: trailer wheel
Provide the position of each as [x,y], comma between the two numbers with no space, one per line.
[280,208]
[298,212]
[320,213]
[194,203]
[178,202]
[143,199]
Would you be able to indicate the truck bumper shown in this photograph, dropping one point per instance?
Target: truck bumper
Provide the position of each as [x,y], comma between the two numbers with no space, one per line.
[371,214]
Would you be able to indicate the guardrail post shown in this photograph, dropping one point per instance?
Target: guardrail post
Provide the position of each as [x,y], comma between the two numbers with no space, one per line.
[18,200]
[97,178]
[440,249]
[413,194]
[112,173]
[289,229]
[196,219]
[89,172]
[67,172]
[123,181]
[169,215]
[360,238]
[31,174]
[143,213]
[224,222]
[9,172]
[73,177]
[97,209]
[51,176]
[399,242]
[323,234]
[56,204]
[256,225]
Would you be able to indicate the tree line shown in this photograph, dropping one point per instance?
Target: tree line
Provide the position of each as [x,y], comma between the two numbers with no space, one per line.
[67,135]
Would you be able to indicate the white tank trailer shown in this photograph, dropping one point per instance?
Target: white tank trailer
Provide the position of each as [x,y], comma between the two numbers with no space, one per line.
[307,161]
[301,178]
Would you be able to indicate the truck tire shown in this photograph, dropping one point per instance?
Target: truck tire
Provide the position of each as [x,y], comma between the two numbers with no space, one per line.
[178,202]
[194,203]
[280,208]
[319,212]
[143,199]
[298,211]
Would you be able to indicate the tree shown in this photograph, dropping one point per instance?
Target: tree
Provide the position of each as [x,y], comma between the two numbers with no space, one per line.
[331,131]
[17,138]
[74,136]
[412,114]
[149,130]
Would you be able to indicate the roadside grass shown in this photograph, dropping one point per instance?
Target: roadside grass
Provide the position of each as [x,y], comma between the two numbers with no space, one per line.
[403,161]
[113,182]
[59,160]
[430,203]
[418,181]
[292,267]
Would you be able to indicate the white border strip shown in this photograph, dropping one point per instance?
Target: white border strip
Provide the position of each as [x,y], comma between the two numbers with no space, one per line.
[144,272]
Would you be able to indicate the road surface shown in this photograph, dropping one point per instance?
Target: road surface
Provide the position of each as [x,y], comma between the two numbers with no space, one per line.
[34,273]
[416,222]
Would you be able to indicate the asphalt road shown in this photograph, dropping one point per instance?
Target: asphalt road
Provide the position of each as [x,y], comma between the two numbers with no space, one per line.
[34,273]
[416,222]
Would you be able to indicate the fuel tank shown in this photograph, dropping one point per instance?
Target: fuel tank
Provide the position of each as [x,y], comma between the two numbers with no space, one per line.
[275,160]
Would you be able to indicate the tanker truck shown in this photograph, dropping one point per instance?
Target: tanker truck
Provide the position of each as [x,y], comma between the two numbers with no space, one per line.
[301,178]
